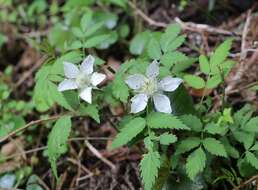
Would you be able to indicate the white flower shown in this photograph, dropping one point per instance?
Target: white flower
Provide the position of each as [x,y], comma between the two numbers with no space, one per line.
[148,86]
[82,78]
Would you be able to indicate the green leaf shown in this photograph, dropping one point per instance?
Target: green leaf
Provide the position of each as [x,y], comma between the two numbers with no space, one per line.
[231,150]
[244,137]
[214,129]
[255,146]
[149,169]
[168,37]
[214,146]
[120,89]
[181,101]
[85,21]
[214,81]
[57,141]
[129,131]
[153,49]
[96,40]
[170,58]
[90,110]
[195,163]
[221,53]
[138,43]
[167,139]
[163,173]
[176,43]
[252,159]
[204,64]
[194,81]
[252,125]
[192,121]
[93,29]
[187,145]
[159,120]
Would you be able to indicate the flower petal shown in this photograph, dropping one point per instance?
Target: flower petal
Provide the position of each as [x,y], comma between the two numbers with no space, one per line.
[70,70]
[139,103]
[169,83]
[152,70]
[85,94]
[67,84]
[87,64]
[162,103]
[135,81]
[97,78]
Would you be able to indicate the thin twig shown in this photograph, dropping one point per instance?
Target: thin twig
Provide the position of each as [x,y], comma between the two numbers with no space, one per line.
[29,125]
[190,26]
[29,72]
[146,18]
[246,182]
[98,154]
[244,34]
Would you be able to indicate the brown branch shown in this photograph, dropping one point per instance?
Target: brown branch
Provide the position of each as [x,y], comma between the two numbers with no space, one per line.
[27,126]
[246,182]
[98,154]
[244,34]
[187,26]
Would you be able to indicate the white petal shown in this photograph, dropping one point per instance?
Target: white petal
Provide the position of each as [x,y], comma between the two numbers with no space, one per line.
[85,94]
[97,78]
[87,64]
[169,83]
[70,70]
[67,84]
[135,81]
[162,103]
[153,69]
[139,103]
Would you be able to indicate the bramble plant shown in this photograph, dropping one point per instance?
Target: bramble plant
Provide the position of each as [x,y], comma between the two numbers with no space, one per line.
[154,115]
[182,141]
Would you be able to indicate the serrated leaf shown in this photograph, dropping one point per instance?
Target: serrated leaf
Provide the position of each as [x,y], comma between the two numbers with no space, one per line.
[93,29]
[192,121]
[129,131]
[244,137]
[252,159]
[176,43]
[90,110]
[167,139]
[170,34]
[221,53]
[214,81]
[214,128]
[149,169]
[96,40]
[85,20]
[255,146]
[204,64]
[139,42]
[231,150]
[181,102]
[195,163]
[194,81]
[153,49]
[214,146]
[187,145]
[252,125]
[57,141]
[159,120]
[170,58]
[120,89]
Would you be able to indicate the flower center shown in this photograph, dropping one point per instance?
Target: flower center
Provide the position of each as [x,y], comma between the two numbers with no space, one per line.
[83,80]
[150,87]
